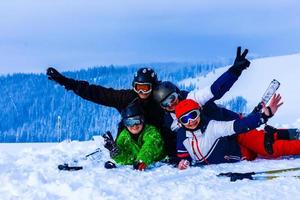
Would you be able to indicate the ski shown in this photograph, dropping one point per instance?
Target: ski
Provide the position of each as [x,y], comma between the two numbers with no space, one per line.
[94,156]
[273,87]
[262,175]
[66,167]
[261,178]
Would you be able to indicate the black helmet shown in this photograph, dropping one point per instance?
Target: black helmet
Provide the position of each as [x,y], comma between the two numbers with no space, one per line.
[145,75]
[163,90]
[133,109]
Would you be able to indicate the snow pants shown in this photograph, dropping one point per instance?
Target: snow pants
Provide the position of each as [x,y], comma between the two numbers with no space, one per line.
[252,145]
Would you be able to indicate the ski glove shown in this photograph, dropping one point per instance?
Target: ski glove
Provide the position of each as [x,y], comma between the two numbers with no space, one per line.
[240,63]
[110,144]
[109,165]
[139,165]
[54,75]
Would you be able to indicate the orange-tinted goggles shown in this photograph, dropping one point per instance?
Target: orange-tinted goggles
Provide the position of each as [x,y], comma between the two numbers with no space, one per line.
[145,88]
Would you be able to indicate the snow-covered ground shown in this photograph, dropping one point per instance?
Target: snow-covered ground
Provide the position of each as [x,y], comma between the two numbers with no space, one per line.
[31,173]
[254,81]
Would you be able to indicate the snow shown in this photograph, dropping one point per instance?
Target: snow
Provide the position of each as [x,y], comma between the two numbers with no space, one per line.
[31,173]
[255,80]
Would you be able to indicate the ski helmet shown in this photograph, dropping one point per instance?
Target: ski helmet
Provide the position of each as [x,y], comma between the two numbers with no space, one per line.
[163,90]
[132,110]
[145,75]
[186,106]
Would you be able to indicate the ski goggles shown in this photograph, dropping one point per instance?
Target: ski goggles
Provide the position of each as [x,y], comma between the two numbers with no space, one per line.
[131,121]
[190,116]
[144,88]
[169,101]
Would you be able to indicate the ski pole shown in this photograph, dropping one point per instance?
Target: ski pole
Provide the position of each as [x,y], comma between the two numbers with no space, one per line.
[251,176]
[262,175]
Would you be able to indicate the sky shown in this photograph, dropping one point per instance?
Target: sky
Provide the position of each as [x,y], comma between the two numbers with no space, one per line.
[75,34]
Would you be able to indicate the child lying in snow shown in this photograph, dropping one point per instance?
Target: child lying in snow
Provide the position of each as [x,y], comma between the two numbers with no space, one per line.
[208,141]
[138,144]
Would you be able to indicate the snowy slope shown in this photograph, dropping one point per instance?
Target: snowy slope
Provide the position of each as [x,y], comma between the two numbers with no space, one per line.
[254,81]
[29,171]
[32,174]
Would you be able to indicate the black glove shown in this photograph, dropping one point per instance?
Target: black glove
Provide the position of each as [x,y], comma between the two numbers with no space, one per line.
[54,75]
[139,165]
[110,144]
[109,165]
[267,117]
[240,62]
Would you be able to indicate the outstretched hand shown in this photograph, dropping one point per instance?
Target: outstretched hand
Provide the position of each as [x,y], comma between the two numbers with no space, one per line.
[110,144]
[53,74]
[273,106]
[241,62]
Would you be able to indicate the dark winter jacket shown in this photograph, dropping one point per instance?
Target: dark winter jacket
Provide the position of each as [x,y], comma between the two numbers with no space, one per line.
[206,98]
[214,142]
[118,99]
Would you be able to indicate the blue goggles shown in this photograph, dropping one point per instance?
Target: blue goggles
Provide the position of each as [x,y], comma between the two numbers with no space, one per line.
[169,101]
[131,121]
[190,116]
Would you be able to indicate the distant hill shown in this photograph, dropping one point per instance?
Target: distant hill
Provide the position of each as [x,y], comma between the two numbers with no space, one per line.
[34,109]
[254,81]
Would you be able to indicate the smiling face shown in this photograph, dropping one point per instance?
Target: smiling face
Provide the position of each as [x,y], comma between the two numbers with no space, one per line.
[193,123]
[171,108]
[144,96]
[135,129]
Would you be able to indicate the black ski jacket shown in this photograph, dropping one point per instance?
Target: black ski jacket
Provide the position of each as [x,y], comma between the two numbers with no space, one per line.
[118,99]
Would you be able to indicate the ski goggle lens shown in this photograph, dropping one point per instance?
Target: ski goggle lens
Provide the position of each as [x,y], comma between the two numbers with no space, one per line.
[192,115]
[145,88]
[169,100]
[129,122]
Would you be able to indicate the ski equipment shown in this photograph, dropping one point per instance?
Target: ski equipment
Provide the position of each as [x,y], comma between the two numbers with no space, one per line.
[132,110]
[145,75]
[131,121]
[66,167]
[190,116]
[262,175]
[144,88]
[240,63]
[109,165]
[163,90]
[110,144]
[186,106]
[169,101]
[72,166]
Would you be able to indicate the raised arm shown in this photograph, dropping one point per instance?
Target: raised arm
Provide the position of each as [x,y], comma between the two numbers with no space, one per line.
[224,82]
[252,121]
[118,99]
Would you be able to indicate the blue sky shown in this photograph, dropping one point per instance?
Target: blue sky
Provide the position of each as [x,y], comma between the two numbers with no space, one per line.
[83,33]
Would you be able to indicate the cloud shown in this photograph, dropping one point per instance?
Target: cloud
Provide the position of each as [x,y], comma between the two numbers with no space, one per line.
[83,33]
